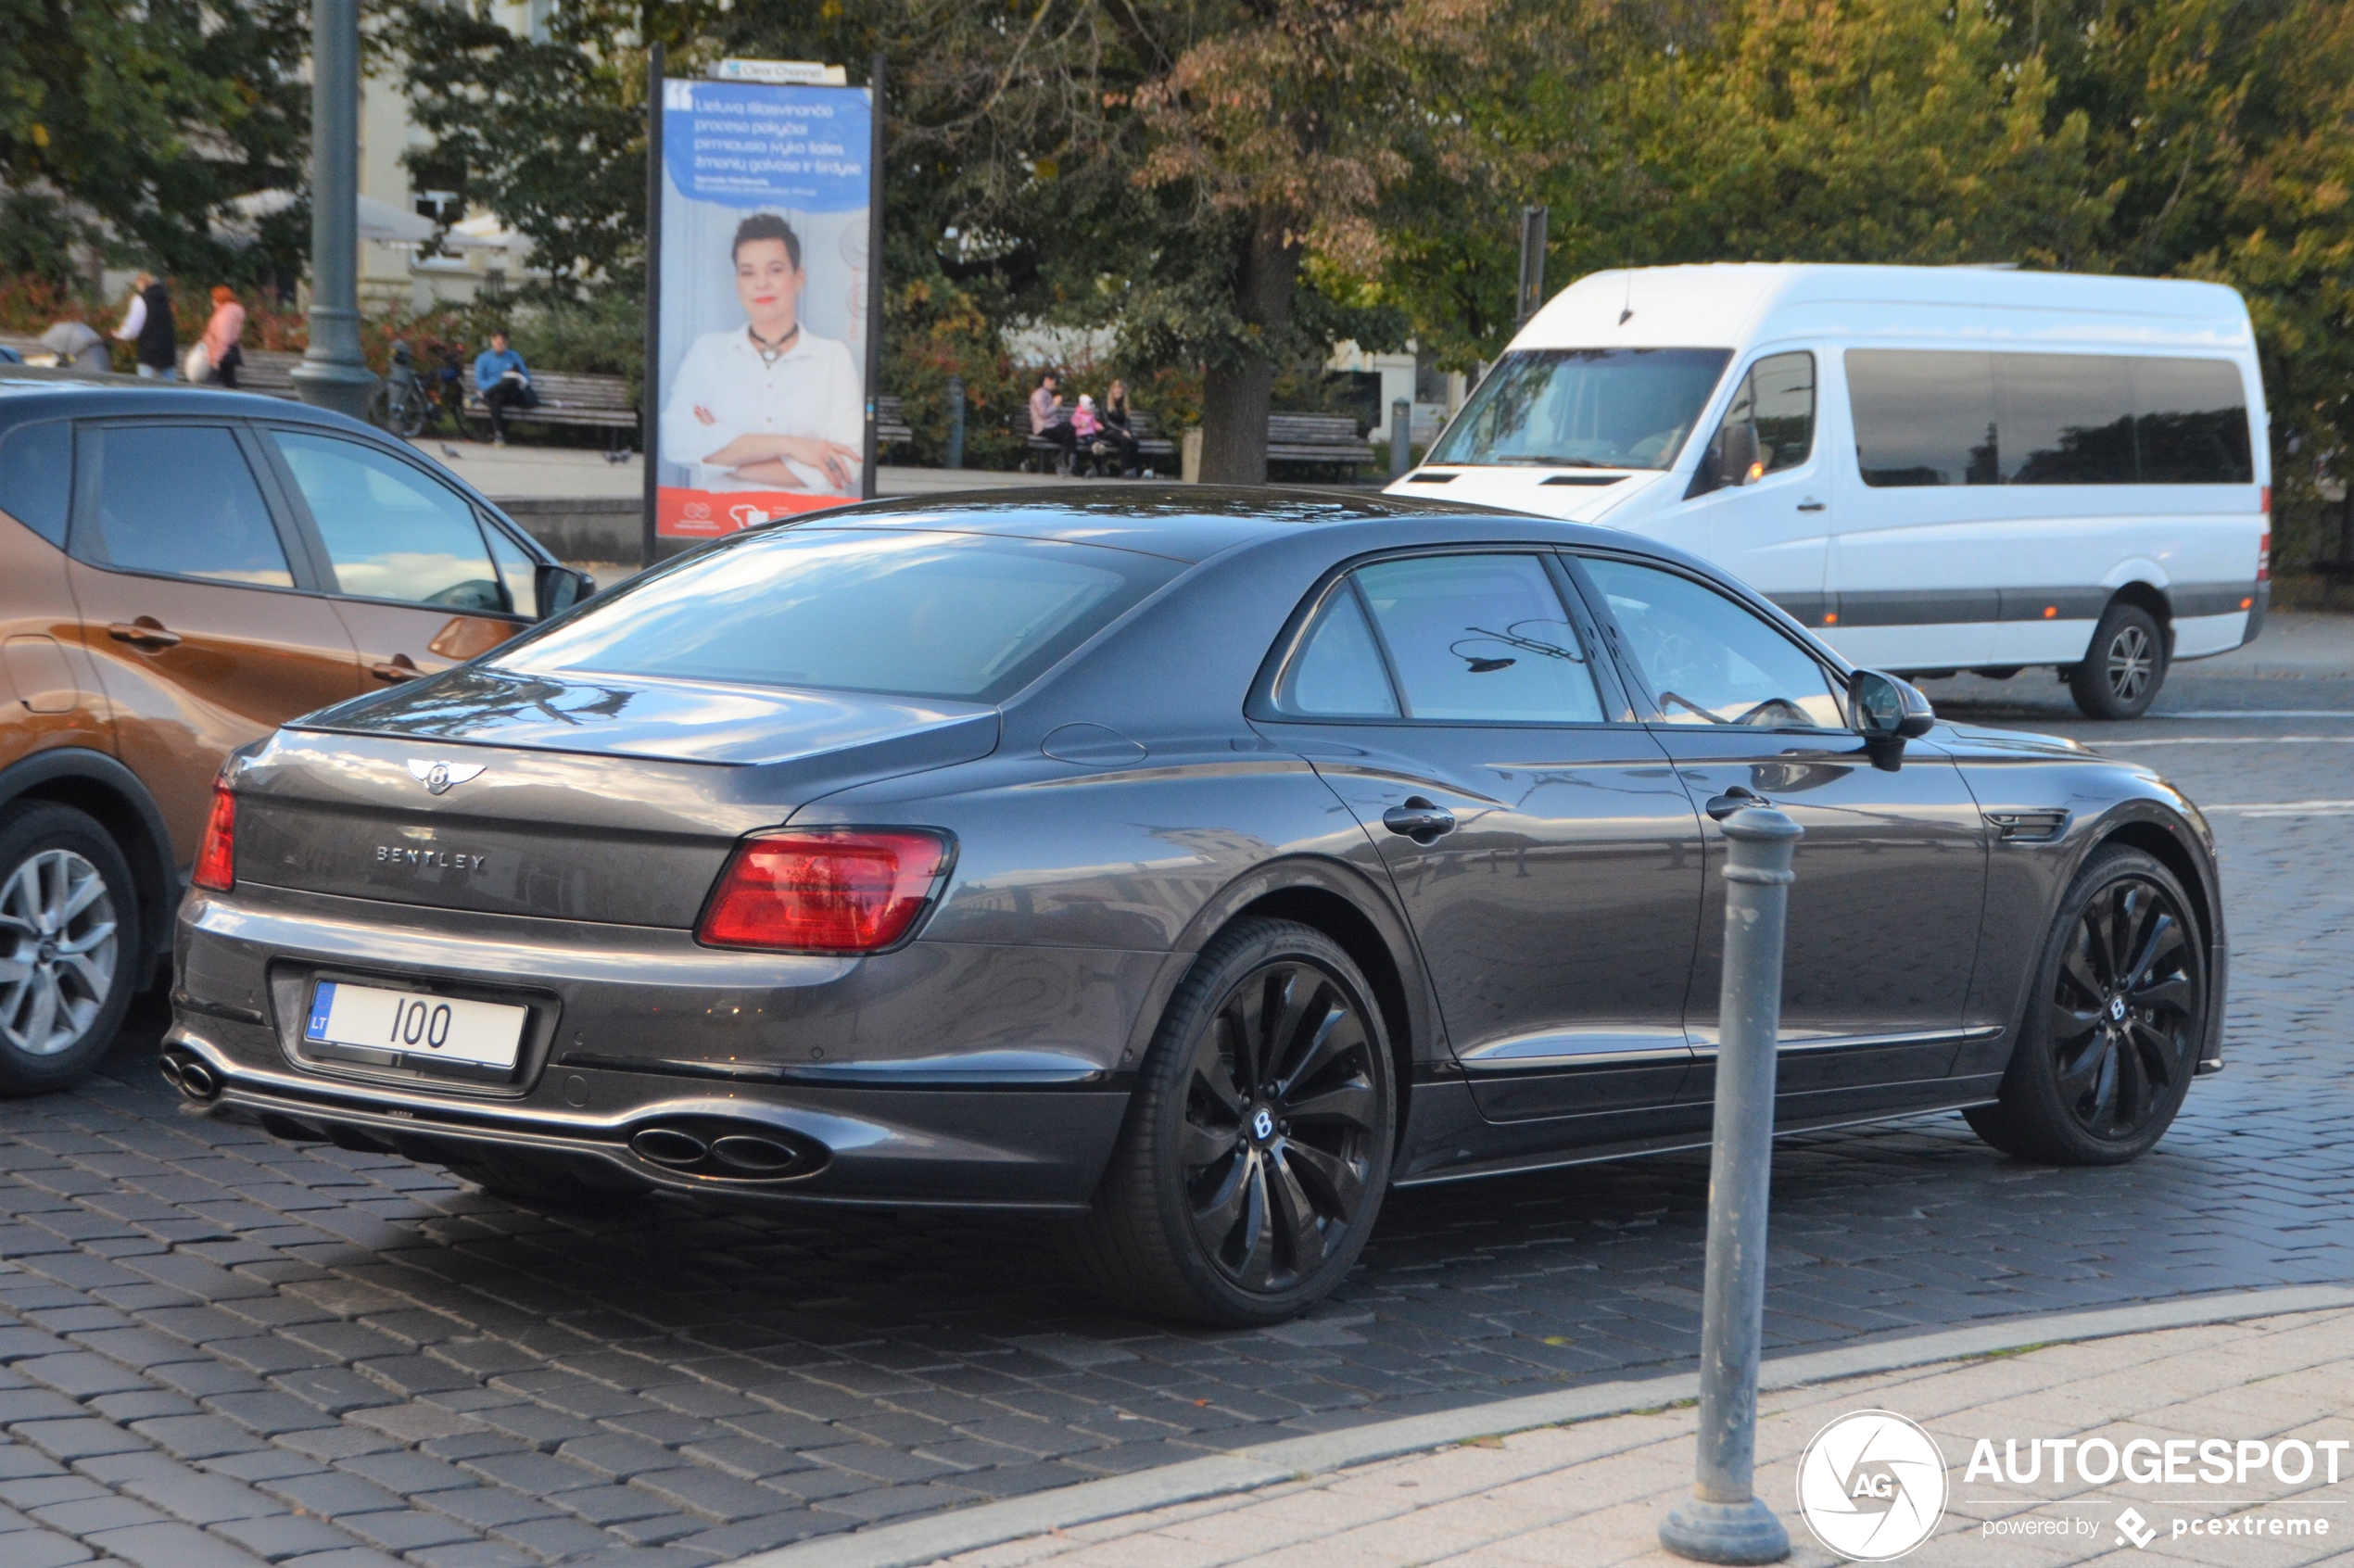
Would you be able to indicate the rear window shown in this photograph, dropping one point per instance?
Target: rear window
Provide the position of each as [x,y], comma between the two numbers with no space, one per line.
[897,613]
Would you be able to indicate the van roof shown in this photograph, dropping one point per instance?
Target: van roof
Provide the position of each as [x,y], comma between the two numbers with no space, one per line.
[1731,305]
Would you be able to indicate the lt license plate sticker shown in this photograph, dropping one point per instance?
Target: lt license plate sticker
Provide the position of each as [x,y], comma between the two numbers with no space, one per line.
[416,1025]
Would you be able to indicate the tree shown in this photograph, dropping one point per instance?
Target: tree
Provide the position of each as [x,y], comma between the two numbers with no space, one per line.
[128,126]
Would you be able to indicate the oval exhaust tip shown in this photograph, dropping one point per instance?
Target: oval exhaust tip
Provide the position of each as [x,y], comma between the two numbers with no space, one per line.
[196,1081]
[668,1146]
[755,1155]
[170,1067]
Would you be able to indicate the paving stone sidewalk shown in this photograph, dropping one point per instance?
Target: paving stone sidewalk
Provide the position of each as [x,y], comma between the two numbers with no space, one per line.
[218,1349]
[1592,1495]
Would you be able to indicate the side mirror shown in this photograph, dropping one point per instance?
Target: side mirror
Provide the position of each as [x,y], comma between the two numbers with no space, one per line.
[1888,709]
[561,588]
[1736,454]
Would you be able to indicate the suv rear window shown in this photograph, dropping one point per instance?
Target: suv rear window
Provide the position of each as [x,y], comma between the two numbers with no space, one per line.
[899,612]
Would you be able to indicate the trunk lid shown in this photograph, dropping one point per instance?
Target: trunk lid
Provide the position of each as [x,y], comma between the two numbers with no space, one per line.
[616,801]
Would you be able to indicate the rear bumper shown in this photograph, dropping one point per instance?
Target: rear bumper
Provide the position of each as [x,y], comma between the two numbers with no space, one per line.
[952,1076]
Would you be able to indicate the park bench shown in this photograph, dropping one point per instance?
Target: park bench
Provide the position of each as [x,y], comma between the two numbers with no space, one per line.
[1322,438]
[566,397]
[891,423]
[1150,445]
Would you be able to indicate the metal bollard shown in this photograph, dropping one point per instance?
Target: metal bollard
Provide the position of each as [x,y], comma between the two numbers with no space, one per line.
[956,422]
[1402,437]
[1723,1521]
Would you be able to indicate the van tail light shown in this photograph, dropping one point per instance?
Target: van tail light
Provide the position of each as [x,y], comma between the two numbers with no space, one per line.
[2264,557]
[216,869]
[824,890]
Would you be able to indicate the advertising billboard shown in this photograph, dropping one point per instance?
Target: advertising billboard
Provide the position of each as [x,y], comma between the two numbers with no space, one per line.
[763,303]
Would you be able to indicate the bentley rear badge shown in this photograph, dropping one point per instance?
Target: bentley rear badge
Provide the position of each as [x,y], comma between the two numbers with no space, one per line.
[438,776]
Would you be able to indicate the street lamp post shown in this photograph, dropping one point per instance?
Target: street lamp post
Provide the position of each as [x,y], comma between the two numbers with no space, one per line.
[333,374]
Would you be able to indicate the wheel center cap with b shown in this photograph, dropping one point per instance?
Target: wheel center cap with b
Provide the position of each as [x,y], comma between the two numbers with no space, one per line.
[2117,1009]
[47,952]
[1262,1124]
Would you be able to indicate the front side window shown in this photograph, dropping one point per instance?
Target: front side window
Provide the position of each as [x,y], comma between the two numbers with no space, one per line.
[1585,408]
[181,498]
[897,612]
[1468,639]
[391,531]
[1770,423]
[1711,660]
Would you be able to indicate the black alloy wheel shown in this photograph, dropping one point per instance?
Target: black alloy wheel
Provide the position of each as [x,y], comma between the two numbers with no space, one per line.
[2114,1030]
[2123,667]
[1258,1142]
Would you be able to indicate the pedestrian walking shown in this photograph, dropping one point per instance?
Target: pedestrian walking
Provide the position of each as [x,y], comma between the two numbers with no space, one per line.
[223,338]
[148,327]
[504,382]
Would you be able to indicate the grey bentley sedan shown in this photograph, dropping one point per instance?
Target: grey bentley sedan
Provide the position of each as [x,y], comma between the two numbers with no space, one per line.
[1194,864]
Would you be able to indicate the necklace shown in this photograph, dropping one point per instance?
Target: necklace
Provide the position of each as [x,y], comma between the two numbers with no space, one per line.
[770,356]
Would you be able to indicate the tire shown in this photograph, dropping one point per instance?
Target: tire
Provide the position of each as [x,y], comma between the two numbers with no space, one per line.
[69,947]
[2123,668]
[410,413]
[2114,1025]
[1257,1145]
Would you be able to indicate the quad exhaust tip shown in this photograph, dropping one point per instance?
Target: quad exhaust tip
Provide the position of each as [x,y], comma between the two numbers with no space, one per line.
[186,1072]
[720,1149]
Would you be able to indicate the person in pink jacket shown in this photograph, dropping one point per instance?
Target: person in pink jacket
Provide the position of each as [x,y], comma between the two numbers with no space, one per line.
[222,336]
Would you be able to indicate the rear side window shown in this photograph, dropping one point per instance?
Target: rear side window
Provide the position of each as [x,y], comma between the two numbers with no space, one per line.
[899,612]
[1338,673]
[1934,417]
[180,498]
[1479,638]
[36,477]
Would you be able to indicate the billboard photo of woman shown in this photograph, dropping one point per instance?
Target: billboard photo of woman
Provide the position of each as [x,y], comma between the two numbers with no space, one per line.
[759,379]
[769,405]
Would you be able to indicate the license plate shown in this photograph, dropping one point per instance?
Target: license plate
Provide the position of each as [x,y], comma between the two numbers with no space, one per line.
[422,1029]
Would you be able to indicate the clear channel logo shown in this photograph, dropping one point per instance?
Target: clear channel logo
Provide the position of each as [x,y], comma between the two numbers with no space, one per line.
[1871,1486]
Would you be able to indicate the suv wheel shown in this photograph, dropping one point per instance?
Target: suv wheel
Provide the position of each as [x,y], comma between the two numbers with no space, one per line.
[2114,1024]
[2123,668]
[68,944]
[1257,1145]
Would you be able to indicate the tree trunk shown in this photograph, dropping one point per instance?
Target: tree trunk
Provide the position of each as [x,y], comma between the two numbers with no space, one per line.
[1237,392]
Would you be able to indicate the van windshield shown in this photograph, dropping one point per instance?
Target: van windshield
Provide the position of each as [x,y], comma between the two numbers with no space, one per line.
[1585,408]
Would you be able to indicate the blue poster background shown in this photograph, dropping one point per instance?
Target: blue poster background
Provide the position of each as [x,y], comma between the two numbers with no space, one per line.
[746,144]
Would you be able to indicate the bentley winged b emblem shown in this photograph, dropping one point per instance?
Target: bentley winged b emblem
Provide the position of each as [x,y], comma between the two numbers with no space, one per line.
[438,776]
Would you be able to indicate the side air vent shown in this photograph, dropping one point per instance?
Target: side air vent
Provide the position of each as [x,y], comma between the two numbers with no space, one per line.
[1427,477]
[2029,827]
[1585,479]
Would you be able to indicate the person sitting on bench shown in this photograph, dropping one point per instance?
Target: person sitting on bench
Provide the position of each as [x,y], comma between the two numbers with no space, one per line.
[504,382]
[1049,420]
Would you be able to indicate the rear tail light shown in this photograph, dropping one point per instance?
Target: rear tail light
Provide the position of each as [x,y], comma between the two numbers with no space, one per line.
[2264,554]
[217,856]
[824,890]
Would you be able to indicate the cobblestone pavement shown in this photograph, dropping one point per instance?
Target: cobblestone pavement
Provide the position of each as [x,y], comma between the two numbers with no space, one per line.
[215,1349]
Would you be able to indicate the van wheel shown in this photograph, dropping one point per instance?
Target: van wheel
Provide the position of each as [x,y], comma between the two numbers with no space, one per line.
[1258,1143]
[69,946]
[2123,668]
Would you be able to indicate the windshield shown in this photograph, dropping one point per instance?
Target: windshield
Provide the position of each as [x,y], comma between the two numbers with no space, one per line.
[895,612]
[1584,408]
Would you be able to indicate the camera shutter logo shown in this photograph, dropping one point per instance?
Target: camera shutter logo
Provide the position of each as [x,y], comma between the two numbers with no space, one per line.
[1872,1486]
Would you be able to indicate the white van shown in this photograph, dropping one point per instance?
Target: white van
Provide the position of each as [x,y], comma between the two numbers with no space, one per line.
[1935,468]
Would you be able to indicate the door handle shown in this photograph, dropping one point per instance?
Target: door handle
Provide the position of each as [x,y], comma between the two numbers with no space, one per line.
[144,632]
[1810,504]
[1424,821]
[398,667]
[1733,800]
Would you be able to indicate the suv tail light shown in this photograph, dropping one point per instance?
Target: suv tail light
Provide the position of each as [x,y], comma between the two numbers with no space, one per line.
[2264,556]
[216,869]
[824,890]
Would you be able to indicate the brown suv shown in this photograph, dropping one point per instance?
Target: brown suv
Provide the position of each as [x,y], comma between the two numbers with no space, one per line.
[181,572]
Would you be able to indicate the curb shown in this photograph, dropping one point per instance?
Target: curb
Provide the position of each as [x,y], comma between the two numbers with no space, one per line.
[921,1541]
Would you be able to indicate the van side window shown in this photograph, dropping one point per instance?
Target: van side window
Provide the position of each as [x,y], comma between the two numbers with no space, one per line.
[2191,422]
[1778,398]
[1922,417]
[1930,417]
